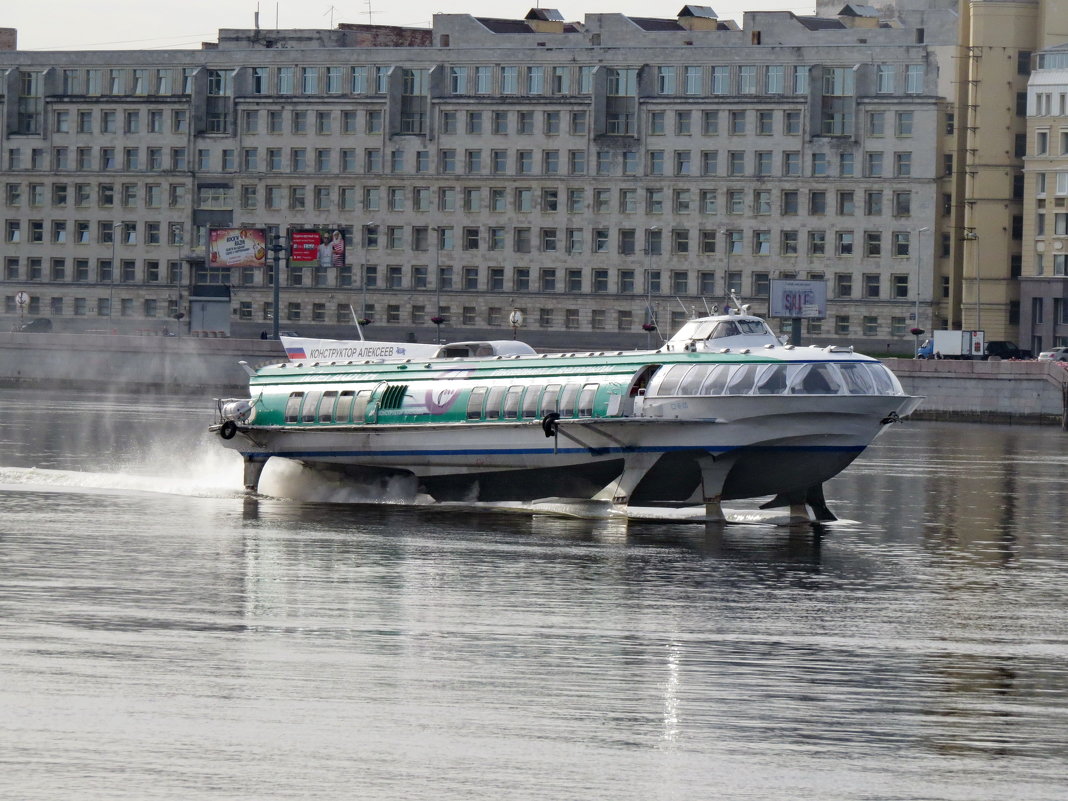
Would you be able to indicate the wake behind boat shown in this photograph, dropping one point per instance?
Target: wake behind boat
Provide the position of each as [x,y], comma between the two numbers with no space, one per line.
[722,411]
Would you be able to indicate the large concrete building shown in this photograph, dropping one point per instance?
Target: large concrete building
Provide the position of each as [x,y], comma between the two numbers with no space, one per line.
[596,175]
[998,39]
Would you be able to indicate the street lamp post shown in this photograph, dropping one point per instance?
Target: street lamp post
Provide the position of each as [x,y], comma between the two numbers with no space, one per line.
[650,324]
[971,235]
[367,229]
[727,246]
[115,228]
[276,249]
[919,277]
[176,235]
[437,279]
[515,319]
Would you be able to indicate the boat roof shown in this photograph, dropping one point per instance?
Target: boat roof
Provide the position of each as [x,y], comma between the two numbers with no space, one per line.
[542,365]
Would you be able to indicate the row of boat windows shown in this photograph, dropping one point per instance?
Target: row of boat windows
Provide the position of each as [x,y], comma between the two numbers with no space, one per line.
[530,402]
[484,403]
[857,378]
[327,407]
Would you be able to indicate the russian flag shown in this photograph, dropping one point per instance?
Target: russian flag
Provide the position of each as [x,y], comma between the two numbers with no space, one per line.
[296,353]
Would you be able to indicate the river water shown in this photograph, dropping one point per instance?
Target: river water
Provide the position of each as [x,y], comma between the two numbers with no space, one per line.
[162,637]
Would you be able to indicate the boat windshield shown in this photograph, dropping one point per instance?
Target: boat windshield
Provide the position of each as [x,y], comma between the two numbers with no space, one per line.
[721,329]
[754,327]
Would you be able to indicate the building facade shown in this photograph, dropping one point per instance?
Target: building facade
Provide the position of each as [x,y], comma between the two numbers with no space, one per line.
[1044,285]
[598,176]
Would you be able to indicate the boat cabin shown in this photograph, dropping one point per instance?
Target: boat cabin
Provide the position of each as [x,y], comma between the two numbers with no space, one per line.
[730,331]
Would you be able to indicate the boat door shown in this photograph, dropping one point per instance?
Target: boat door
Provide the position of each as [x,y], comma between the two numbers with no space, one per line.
[635,396]
[375,403]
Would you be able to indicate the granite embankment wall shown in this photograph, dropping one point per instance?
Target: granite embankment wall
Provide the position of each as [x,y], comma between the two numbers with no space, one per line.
[998,391]
[995,391]
[179,365]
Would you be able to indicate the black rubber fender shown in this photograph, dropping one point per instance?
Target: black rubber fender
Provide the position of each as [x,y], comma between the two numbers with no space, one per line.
[548,423]
[228,429]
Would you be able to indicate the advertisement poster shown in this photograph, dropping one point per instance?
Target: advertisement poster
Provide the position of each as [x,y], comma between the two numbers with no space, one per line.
[798,298]
[324,248]
[237,247]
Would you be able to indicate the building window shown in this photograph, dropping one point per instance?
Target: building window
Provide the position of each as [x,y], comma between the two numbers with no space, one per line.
[817,243]
[903,123]
[871,286]
[914,78]
[873,243]
[844,243]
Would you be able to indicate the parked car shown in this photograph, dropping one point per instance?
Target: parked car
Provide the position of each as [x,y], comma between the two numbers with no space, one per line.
[1054,355]
[1003,349]
[40,325]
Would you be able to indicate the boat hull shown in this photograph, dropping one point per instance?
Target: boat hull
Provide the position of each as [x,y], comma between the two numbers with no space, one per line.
[763,446]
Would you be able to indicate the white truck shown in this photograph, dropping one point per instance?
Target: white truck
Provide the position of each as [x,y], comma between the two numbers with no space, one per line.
[953,345]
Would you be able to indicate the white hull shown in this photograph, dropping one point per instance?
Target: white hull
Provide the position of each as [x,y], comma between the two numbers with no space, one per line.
[760,446]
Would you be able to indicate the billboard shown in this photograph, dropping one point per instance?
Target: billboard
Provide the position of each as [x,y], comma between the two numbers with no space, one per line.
[317,248]
[237,247]
[797,298]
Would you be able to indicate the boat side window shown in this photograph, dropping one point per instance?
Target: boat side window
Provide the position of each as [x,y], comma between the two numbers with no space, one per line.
[772,381]
[293,406]
[585,406]
[493,403]
[817,379]
[474,403]
[326,407]
[669,384]
[359,406]
[530,402]
[724,329]
[548,399]
[857,379]
[881,378]
[511,402]
[344,406]
[741,380]
[691,382]
[703,331]
[568,398]
[753,327]
[716,381]
[311,405]
[688,331]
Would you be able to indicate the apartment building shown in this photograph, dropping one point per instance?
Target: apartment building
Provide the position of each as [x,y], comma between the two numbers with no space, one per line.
[998,39]
[1044,285]
[597,175]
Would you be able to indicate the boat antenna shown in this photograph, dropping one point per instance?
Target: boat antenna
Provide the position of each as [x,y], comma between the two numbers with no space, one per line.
[708,311]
